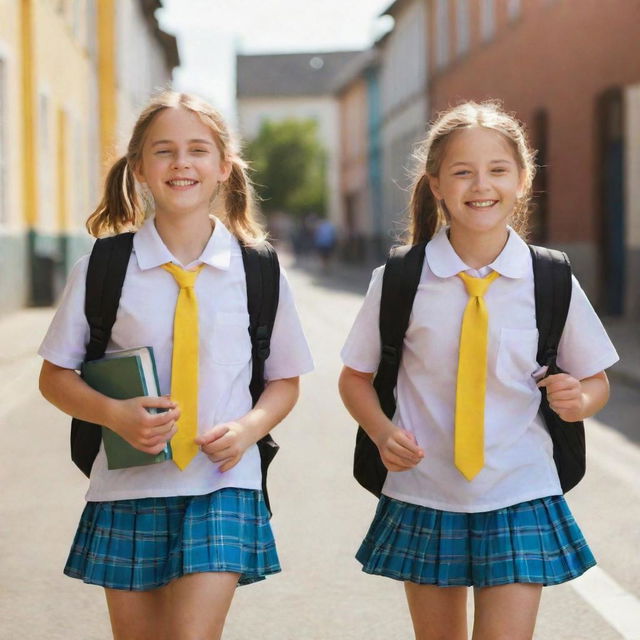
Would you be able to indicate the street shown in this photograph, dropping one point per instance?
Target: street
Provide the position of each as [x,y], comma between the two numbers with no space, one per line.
[320,514]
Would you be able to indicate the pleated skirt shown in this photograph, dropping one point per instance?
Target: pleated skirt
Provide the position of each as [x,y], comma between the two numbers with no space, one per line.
[142,544]
[532,542]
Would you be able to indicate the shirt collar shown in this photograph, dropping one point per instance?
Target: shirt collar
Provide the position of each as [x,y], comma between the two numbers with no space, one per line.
[444,262]
[151,252]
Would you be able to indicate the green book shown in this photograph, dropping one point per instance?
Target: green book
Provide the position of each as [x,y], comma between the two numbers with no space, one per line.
[122,375]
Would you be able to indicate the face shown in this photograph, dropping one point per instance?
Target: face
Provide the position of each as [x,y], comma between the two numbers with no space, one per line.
[181,163]
[479,181]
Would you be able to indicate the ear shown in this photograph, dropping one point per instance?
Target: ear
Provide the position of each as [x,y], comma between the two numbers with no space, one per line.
[434,185]
[521,181]
[225,170]
[139,174]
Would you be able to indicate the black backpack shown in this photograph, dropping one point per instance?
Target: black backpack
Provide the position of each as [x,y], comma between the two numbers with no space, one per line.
[552,276]
[105,277]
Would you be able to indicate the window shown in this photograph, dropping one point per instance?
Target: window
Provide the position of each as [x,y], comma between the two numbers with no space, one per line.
[46,212]
[514,8]
[4,161]
[462,26]
[488,19]
[442,33]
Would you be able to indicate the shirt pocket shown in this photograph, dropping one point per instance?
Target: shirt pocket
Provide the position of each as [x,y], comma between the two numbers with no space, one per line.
[229,342]
[516,359]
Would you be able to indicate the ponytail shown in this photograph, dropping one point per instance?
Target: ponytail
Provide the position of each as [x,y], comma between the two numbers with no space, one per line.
[119,209]
[240,205]
[425,217]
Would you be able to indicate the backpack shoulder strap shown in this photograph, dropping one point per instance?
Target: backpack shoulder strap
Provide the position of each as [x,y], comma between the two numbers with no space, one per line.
[262,273]
[399,285]
[105,277]
[552,278]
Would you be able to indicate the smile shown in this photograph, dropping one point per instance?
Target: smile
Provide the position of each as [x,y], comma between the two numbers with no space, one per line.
[182,183]
[481,204]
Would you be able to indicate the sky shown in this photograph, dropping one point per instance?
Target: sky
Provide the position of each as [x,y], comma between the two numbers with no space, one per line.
[211,32]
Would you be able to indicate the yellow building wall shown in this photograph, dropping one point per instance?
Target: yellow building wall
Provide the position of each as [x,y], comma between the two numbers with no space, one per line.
[62,83]
[10,54]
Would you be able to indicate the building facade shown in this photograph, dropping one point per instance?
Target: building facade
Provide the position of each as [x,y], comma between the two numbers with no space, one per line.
[62,94]
[571,72]
[404,76]
[296,86]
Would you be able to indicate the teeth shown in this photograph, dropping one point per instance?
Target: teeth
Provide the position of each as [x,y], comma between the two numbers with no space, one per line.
[182,183]
[482,203]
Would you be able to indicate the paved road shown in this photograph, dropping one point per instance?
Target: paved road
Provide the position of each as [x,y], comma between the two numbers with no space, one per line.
[320,515]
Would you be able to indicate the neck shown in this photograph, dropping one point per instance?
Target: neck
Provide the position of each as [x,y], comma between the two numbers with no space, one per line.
[478,249]
[186,237]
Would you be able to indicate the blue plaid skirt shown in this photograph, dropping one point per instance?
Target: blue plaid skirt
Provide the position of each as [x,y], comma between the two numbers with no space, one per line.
[143,544]
[536,542]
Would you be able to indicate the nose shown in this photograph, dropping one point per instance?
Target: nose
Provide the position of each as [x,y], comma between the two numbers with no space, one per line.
[480,182]
[180,160]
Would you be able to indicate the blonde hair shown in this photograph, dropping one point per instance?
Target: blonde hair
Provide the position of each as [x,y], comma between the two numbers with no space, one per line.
[426,215]
[122,208]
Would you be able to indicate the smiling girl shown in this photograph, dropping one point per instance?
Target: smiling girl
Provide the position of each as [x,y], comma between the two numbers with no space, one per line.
[169,542]
[472,497]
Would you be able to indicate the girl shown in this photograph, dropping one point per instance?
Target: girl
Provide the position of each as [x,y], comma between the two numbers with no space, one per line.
[169,544]
[472,496]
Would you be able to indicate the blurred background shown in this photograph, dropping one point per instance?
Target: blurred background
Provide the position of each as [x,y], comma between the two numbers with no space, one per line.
[329,99]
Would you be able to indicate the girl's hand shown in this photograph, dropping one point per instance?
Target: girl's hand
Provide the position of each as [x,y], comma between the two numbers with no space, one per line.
[565,396]
[145,431]
[225,444]
[399,450]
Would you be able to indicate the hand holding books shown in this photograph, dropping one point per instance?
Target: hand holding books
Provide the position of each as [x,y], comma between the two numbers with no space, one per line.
[140,424]
[146,431]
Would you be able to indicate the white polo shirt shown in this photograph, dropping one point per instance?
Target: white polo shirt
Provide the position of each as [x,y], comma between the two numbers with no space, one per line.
[518,449]
[145,318]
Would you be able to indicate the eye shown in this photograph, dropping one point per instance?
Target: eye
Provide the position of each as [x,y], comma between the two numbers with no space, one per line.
[462,172]
[200,151]
[500,170]
[162,151]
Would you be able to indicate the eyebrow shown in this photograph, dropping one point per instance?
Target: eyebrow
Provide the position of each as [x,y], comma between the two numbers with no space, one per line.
[499,160]
[192,141]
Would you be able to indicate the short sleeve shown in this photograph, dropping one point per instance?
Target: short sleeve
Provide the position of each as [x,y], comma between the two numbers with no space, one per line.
[361,351]
[65,342]
[289,355]
[585,348]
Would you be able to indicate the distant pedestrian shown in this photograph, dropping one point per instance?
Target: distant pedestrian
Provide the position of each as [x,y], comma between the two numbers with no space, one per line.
[325,240]
[169,542]
[472,496]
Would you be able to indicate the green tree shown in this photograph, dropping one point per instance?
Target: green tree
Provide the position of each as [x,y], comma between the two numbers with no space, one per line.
[289,167]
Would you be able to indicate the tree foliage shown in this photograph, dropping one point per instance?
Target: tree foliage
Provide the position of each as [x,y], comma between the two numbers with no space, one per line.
[289,167]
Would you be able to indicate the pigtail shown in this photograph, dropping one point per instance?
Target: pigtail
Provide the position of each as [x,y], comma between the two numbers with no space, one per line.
[424,214]
[119,209]
[240,205]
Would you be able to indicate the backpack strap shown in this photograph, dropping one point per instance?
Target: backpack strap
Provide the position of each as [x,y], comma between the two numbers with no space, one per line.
[109,257]
[552,276]
[262,274]
[399,286]
[105,276]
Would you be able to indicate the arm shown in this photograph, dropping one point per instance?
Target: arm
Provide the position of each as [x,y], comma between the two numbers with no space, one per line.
[66,390]
[573,399]
[226,443]
[398,448]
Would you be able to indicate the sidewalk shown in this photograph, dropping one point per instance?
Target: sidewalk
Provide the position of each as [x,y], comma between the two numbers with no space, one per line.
[625,335]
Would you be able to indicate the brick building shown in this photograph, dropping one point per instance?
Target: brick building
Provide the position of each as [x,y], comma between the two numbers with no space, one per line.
[571,71]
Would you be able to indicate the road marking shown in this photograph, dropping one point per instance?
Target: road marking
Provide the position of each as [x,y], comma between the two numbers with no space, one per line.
[22,385]
[617,606]
[614,453]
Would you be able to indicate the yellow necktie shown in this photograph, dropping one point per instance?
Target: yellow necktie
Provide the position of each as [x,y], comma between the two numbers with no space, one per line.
[184,364]
[472,378]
